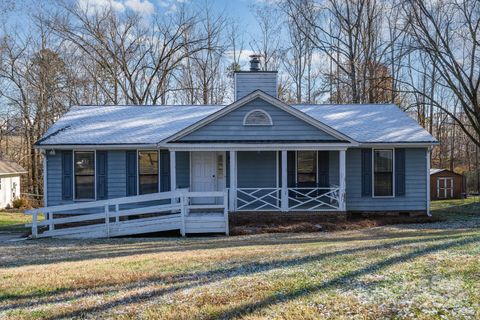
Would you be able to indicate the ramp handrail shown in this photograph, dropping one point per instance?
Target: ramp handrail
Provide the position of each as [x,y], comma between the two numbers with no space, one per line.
[179,203]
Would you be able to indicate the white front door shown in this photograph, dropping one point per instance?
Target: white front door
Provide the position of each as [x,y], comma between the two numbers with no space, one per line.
[203,174]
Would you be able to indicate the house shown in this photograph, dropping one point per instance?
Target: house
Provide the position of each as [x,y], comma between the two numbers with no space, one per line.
[446,184]
[10,173]
[270,156]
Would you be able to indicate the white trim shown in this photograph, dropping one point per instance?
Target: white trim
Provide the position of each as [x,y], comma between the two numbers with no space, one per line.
[97,147]
[272,100]
[74,198]
[393,172]
[173,171]
[168,145]
[342,159]
[257,146]
[270,121]
[397,144]
[284,191]
[233,180]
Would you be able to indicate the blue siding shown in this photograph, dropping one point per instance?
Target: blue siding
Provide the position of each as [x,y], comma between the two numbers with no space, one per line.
[247,82]
[256,169]
[286,127]
[415,184]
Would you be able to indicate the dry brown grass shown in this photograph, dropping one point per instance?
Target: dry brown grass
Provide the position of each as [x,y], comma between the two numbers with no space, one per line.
[424,271]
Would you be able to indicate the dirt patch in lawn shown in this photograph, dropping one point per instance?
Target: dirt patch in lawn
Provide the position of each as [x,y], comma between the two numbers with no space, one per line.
[351,223]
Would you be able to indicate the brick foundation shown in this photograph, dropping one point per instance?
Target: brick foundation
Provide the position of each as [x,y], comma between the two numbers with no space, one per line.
[245,218]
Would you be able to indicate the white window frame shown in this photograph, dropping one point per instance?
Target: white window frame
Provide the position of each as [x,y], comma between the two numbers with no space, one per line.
[138,169]
[74,196]
[316,166]
[257,124]
[393,172]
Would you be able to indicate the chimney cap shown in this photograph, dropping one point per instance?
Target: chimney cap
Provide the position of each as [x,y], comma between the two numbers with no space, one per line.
[255,62]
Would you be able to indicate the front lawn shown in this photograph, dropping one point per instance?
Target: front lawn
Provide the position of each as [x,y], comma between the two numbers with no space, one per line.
[425,271]
[14,221]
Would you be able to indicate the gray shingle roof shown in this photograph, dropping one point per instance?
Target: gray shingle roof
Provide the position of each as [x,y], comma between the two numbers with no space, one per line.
[112,125]
[92,125]
[369,123]
[10,167]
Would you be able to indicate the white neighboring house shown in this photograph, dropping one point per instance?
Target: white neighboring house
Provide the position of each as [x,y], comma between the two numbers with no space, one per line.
[9,182]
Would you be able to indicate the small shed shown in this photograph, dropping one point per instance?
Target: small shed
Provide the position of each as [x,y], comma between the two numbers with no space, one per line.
[446,184]
[9,182]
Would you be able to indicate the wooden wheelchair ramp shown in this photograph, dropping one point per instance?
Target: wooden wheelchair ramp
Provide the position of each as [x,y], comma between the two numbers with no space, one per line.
[134,215]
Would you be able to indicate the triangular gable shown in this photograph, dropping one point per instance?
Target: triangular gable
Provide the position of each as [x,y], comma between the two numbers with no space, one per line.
[288,124]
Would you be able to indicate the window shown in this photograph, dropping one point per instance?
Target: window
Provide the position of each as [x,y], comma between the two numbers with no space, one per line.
[147,172]
[257,118]
[383,173]
[84,175]
[306,168]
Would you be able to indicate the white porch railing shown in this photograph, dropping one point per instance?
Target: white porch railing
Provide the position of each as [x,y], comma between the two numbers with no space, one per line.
[141,214]
[258,199]
[314,199]
[299,199]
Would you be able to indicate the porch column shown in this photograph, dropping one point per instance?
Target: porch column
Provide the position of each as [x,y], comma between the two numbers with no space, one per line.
[342,176]
[233,181]
[173,171]
[284,190]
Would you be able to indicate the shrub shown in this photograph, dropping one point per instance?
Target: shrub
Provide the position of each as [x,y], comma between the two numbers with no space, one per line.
[21,203]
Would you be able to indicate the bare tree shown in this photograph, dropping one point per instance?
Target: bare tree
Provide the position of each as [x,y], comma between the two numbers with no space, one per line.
[448,33]
[267,42]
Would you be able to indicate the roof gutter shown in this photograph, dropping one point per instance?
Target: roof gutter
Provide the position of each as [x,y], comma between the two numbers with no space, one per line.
[96,146]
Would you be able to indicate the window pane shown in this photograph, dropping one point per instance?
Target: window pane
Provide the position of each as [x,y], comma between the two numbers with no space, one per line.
[306,177]
[148,184]
[84,163]
[383,184]
[306,168]
[147,172]
[148,162]
[383,173]
[383,160]
[306,162]
[84,187]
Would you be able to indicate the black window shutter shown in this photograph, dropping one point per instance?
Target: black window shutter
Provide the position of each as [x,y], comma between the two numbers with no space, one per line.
[366,172]
[164,170]
[291,169]
[323,169]
[399,172]
[67,175]
[101,172]
[131,173]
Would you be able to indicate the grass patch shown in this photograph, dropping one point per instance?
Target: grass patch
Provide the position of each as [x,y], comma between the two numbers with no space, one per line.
[14,221]
[425,271]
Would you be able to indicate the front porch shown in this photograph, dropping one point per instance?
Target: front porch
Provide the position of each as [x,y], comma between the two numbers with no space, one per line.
[270,180]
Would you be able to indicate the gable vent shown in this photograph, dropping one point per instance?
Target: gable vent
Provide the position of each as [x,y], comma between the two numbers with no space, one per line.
[257,118]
